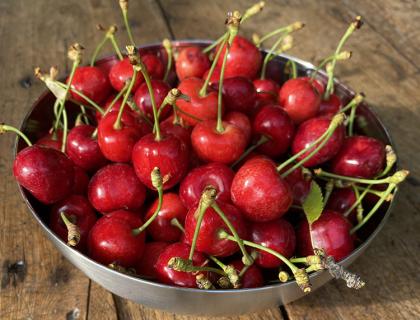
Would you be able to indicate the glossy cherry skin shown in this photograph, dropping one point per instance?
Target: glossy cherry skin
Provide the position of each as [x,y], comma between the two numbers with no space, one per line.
[111,240]
[360,156]
[81,181]
[92,82]
[204,108]
[215,76]
[117,144]
[239,95]
[161,228]
[274,123]
[83,149]
[341,200]
[252,278]
[154,66]
[168,127]
[331,232]
[45,172]
[244,59]
[330,106]
[146,264]
[267,91]
[191,62]
[116,106]
[300,98]
[240,120]
[214,174]
[52,141]
[121,73]
[309,131]
[212,146]
[259,191]
[208,240]
[278,235]
[143,102]
[79,211]
[170,276]
[115,187]
[298,183]
[170,155]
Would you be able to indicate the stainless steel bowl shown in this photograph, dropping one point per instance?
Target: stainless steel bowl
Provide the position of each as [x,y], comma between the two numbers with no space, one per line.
[194,301]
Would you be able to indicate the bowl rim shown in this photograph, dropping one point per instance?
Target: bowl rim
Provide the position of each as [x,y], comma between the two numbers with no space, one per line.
[203,42]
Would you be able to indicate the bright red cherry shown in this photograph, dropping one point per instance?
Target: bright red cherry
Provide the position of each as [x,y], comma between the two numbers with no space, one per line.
[299,184]
[81,181]
[215,76]
[79,211]
[168,127]
[121,73]
[142,98]
[161,229]
[267,91]
[239,94]
[92,82]
[208,240]
[116,106]
[240,120]
[309,131]
[52,140]
[115,187]
[341,200]
[191,62]
[146,264]
[45,172]
[331,232]
[83,149]
[111,240]
[278,235]
[300,98]
[244,59]
[360,156]
[169,154]
[259,191]
[330,106]
[252,278]
[168,275]
[274,123]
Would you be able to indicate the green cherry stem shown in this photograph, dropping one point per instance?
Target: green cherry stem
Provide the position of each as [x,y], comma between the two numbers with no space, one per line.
[175,222]
[65,131]
[184,265]
[396,178]
[292,69]
[117,124]
[391,158]
[358,98]
[166,43]
[343,55]
[73,231]
[116,47]
[287,29]
[118,96]
[6,128]
[84,114]
[329,187]
[229,271]
[124,11]
[270,53]
[219,124]
[260,142]
[214,44]
[97,50]
[252,11]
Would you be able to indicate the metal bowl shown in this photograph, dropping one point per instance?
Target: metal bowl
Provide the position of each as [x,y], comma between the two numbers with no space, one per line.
[195,301]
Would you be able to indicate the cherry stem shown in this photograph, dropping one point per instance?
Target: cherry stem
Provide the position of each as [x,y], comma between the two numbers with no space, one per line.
[55,109]
[115,46]
[391,158]
[79,93]
[396,178]
[133,106]
[269,54]
[97,50]
[175,222]
[358,98]
[94,134]
[184,265]
[252,11]
[287,29]
[84,114]
[65,131]
[73,231]
[219,125]
[329,187]
[117,124]
[263,139]
[214,44]
[229,271]
[292,69]
[117,97]
[6,128]
[124,11]
[319,143]
[168,48]
[170,99]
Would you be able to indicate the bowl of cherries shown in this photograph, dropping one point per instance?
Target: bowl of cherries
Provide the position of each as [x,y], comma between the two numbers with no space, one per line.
[191,174]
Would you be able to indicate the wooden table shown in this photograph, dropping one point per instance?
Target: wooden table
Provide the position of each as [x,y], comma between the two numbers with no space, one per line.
[37,283]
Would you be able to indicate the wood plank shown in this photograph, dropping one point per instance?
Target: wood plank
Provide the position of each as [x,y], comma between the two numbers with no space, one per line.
[101,304]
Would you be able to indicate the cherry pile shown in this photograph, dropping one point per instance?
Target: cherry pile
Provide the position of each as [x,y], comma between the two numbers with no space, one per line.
[196,167]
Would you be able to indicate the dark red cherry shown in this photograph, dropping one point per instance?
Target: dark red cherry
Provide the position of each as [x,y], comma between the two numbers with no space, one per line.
[161,228]
[299,184]
[121,73]
[267,91]
[169,154]
[143,102]
[117,144]
[168,275]
[214,174]
[115,187]
[111,240]
[239,95]
[331,232]
[92,82]
[330,106]
[79,211]
[278,235]
[341,200]
[154,66]
[83,149]
[168,127]
[45,172]
[259,191]
[300,98]
[191,62]
[52,140]
[81,181]
[146,264]
[244,59]
[208,240]
[309,131]
[360,156]
[252,278]
[274,123]
[240,120]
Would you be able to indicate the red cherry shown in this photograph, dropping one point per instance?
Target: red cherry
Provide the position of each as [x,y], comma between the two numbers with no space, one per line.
[331,232]
[360,156]
[146,264]
[115,187]
[309,131]
[92,82]
[213,174]
[121,73]
[83,149]
[111,240]
[154,66]
[106,64]
[191,62]
[168,275]
[278,235]
[208,240]
[204,108]
[252,278]
[81,181]
[240,120]
[143,102]
[259,191]
[342,199]
[45,172]
[117,144]
[79,211]
[267,91]
[169,154]
[330,106]
[300,98]
[244,59]
[161,228]
[52,141]
[299,184]
[215,76]
[168,127]
[115,107]
[274,123]
[239,94]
